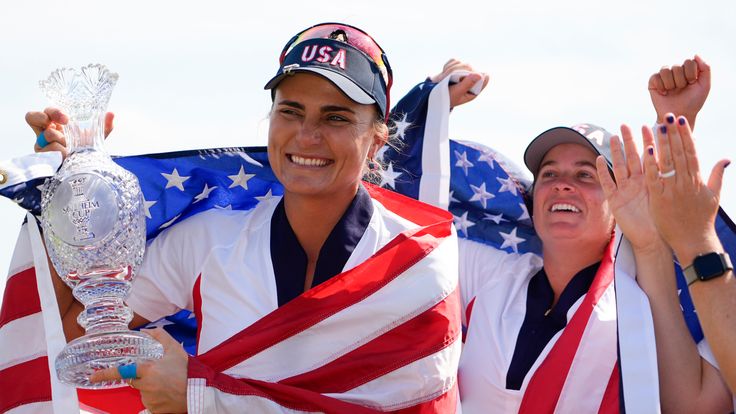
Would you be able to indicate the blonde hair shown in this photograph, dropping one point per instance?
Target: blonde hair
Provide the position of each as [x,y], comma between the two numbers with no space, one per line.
[373,175]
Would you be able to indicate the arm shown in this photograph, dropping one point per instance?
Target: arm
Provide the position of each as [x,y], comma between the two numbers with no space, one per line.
[680,89]
[178,383]
[684,209]
[687,383]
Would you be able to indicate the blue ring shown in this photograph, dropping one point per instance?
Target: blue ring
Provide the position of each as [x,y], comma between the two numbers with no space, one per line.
[128,371]
[41,140]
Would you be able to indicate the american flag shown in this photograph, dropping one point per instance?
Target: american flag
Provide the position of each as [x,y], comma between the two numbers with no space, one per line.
[486,194]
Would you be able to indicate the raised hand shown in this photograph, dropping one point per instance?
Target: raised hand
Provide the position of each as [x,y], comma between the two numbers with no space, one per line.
[680,89]
[460,93]
[683,206]
[51,122]
[627,195]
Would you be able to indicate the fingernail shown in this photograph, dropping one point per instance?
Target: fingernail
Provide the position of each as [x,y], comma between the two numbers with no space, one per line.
[670,119]
[727,164]
[650,150]
[663,129]
[681,121]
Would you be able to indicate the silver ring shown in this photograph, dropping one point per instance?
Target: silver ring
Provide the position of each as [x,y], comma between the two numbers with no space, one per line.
[668,174]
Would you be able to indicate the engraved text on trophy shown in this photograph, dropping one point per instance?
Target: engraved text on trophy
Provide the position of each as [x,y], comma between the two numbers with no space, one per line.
[79,209]
[87,209]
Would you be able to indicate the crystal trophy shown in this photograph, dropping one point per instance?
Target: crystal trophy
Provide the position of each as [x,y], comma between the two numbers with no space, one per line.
[95,231]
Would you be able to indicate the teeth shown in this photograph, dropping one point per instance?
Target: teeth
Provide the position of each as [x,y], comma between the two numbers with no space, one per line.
[565,207]
[308,162]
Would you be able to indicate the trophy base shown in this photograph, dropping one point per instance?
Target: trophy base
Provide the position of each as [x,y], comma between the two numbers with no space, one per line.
[83,356]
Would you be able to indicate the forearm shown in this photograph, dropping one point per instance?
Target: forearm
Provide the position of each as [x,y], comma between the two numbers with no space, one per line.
[715,302]
[69,308]
[678,361]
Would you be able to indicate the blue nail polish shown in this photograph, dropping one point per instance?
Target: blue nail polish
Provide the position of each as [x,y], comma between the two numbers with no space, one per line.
[681,121]
[670,119]
[663,129]
[651,150]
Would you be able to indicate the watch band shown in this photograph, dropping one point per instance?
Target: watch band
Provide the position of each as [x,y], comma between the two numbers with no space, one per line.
[690,275]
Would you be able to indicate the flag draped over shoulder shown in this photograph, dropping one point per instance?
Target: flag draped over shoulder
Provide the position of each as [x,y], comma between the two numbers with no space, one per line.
[178,185]
[486,194]
[361,340]
[175,186]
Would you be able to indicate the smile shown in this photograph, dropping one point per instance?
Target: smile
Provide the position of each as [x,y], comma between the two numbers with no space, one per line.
[308,162]
[564,207]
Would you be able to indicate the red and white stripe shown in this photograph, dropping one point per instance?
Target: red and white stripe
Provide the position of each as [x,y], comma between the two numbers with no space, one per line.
[582,372]
[31,334]
[403,303]
[30,337]
[25,380]
[575,373]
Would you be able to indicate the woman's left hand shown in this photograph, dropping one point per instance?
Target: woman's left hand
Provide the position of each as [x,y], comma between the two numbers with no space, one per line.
[627,196]
[162,383]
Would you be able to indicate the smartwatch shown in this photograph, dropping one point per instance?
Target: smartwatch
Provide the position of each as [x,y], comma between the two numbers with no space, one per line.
[707,266]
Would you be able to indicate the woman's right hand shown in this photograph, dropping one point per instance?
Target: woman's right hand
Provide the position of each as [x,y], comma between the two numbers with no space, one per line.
[460,93]
[683,204]
[51,122]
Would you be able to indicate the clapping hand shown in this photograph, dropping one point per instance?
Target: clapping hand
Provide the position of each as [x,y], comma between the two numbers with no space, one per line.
[627,195]
[683,206]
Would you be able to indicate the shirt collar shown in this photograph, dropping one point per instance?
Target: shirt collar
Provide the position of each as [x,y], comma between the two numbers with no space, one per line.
[289,259]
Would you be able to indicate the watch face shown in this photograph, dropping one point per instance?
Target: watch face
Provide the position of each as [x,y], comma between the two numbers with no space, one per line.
[711,265]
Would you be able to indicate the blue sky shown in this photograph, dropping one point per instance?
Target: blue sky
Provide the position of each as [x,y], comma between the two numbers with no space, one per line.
[192,73]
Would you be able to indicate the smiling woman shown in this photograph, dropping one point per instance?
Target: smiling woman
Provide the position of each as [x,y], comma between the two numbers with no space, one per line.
[559,318]
[568,200]
[319,139]
[313,300]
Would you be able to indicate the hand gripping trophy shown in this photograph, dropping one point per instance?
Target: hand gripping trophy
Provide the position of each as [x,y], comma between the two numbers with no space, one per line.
[95,231]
